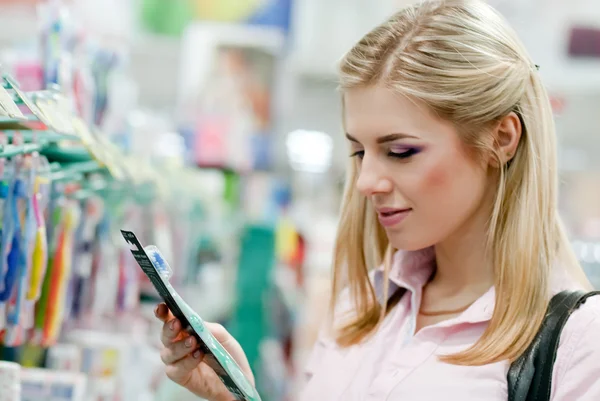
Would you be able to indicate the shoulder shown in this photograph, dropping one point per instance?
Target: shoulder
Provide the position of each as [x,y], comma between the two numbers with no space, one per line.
[577,367]
[582,328]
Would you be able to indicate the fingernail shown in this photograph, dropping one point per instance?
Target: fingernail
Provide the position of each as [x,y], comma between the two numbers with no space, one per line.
[189,342]
[172,325]
[196,354]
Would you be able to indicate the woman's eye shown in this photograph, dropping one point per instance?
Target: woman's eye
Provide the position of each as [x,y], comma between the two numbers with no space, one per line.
[398,154]
[403,154]
[359,153]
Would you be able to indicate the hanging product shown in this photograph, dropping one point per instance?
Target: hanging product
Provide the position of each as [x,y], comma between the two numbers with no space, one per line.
[105,272]
[5,191]
[57,41]
[10,252]
[52,301]
[40,250]
[22,250]
[78,303]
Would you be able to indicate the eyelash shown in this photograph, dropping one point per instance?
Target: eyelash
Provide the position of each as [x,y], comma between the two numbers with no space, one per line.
[403,155]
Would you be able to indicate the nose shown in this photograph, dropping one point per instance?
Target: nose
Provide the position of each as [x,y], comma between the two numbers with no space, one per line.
[372,178]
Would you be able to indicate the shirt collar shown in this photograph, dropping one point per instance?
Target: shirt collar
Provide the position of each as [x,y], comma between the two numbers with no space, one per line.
[409,270]
[412,269]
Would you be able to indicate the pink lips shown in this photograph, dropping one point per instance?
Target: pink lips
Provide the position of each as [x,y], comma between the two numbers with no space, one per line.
[389,217]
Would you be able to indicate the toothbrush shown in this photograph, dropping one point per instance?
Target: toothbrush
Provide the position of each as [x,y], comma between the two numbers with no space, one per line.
[92,214]
[4,194]
[35,257]
[220,358]
[159,272]
[15,269]
[61,274]
[10,254]
[55,219]
[40,252]
[23,254]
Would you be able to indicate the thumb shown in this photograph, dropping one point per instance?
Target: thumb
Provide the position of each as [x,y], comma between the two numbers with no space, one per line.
[220,333]
[232,346]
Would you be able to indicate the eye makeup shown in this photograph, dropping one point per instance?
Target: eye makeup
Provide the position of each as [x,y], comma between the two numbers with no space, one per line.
[403,152]
[398,152]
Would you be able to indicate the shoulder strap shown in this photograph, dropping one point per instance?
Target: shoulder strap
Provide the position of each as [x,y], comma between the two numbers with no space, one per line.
[530,376]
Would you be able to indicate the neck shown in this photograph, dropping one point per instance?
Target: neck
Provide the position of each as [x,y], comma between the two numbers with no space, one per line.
[461,261]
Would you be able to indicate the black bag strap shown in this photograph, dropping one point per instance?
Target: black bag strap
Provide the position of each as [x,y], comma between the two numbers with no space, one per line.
[530,376]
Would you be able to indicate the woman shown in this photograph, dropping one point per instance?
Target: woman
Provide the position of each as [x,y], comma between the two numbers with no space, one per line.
[453,192]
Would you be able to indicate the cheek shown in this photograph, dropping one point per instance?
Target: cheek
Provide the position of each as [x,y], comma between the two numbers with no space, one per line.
[436,176]
[434,179]
[454,183]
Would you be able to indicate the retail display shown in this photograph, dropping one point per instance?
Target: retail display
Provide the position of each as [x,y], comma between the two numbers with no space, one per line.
[42,207]
[67,281]
[80,159]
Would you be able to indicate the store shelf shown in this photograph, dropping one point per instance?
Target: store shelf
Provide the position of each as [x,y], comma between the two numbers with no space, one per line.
[9,151]
[66,155]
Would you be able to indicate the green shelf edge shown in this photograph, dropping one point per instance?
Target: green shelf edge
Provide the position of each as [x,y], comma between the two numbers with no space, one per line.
[15,150]
[66,155]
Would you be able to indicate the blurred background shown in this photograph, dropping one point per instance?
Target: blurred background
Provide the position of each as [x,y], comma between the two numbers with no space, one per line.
[210,128]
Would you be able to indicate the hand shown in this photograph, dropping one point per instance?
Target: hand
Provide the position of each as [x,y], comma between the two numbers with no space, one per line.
[184,360]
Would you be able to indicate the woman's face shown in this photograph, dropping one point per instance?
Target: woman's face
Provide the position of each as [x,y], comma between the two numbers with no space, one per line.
[414,168]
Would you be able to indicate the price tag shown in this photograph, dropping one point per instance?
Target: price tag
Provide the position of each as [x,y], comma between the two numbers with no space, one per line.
[112,156]
[88,141]
[65,114]
[39,114]
[82,132]
[49,114]
[9,106]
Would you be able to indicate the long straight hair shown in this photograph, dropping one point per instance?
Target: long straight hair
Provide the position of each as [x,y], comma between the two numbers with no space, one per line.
[462,60]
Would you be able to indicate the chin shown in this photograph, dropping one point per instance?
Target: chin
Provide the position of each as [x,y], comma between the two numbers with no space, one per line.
[408,243]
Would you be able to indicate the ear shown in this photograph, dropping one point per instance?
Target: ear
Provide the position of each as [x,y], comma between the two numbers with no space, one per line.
[507,136]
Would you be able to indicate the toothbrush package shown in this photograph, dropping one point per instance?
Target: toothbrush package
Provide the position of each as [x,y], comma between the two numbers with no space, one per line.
[159,272]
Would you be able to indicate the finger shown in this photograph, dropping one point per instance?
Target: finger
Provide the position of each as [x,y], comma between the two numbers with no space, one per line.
[162,313]
[178,350]
[180,371]
[170,331]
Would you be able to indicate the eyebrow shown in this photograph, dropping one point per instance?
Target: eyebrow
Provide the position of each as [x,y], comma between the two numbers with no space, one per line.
[383,139]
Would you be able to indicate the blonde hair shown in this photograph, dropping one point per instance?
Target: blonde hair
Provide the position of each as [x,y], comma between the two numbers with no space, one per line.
[462,60]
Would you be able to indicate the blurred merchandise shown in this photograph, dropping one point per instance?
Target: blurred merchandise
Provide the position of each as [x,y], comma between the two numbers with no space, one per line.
[45,384]
[10,381]
[226,95]
[173,17]
[584,42]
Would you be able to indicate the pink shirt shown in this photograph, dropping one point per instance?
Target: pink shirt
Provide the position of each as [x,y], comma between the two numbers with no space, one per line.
[397,364]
